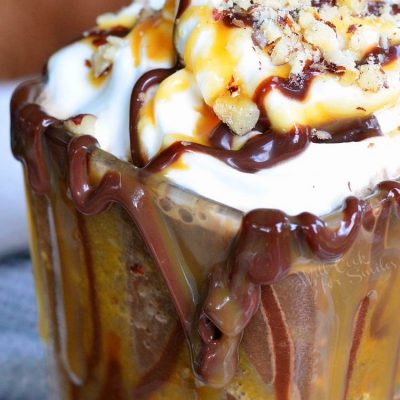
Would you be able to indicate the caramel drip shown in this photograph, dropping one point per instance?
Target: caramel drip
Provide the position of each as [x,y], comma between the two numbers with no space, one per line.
[149,79]
[348,130]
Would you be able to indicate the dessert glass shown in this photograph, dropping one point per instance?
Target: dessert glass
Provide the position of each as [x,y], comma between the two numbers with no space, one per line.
[327,330]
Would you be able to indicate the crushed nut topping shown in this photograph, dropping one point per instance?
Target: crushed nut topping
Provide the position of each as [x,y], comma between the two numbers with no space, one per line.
[351,39]
[104,55]
[371,78]
[238,112]
[332,35]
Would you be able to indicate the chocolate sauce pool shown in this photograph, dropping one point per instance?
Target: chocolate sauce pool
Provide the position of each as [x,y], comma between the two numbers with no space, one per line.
[261,255]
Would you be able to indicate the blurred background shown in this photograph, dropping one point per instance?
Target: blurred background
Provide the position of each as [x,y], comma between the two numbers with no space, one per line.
[30,31]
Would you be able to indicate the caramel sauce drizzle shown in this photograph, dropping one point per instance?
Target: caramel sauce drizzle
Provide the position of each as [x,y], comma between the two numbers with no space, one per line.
[259,152]
[262,151]
[145,82]
[152,36]
[260,256]
[261,253]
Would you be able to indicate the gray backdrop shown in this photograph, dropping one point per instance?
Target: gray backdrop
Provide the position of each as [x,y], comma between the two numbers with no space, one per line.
[22,356]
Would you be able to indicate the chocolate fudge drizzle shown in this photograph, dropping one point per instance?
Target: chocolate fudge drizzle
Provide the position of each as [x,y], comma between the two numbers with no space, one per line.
[33,122]
[389,194]
[383,56]
[259,152]
[351,130]
[260,255]
[149,79]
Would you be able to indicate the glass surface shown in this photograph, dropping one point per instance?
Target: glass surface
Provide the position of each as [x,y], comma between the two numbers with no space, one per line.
[328,330]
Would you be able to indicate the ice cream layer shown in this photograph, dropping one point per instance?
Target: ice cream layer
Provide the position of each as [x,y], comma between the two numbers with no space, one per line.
[258,67]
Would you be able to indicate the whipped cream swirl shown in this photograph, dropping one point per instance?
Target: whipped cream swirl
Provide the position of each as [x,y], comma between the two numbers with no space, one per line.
[288,64]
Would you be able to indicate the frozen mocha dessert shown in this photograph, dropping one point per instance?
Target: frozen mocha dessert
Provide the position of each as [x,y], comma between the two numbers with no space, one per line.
[244,68]
[223,171]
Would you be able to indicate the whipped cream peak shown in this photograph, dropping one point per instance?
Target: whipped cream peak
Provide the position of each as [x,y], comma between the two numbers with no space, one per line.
[214,81]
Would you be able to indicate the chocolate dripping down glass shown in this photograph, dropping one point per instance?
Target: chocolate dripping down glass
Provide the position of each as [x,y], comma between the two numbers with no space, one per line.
[147,291]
